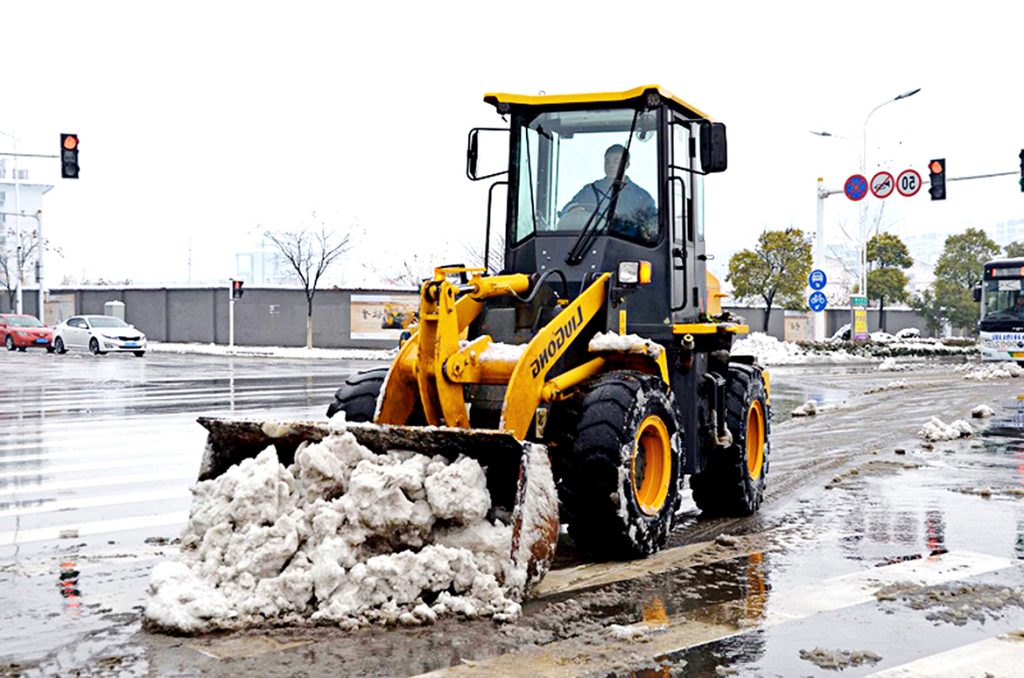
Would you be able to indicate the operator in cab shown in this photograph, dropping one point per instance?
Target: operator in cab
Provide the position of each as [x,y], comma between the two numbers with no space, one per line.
[636,213]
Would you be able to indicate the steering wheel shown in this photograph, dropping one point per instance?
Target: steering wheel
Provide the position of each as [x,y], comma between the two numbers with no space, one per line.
[574,218]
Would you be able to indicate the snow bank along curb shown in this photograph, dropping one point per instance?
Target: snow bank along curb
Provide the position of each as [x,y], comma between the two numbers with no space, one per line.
[989,371]
[343,536]
[275,351]
[770,351]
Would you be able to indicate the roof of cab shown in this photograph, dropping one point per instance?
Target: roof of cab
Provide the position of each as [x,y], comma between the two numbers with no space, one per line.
[496,98]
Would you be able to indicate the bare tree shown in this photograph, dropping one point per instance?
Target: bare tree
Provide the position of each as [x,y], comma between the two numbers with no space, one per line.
[13,258]
[310,253]
[495,255]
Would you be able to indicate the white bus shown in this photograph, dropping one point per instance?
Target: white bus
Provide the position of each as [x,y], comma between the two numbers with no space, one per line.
[1002,310]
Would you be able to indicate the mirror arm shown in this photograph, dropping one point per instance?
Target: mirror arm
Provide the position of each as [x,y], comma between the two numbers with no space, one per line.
[487,233]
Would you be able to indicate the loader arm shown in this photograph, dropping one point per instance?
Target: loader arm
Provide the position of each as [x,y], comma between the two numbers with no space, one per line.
[432,368]
[526,386]
[419,372]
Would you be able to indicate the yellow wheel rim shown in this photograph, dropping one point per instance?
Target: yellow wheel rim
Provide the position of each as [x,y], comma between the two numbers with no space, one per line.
[652,465]
[755,439]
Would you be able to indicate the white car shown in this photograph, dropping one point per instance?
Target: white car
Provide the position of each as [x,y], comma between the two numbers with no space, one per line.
[98,333]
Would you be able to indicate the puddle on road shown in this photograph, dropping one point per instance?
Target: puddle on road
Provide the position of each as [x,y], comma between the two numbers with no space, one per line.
[788,395]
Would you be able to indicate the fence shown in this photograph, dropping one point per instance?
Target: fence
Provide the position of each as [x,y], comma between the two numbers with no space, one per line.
[342,318]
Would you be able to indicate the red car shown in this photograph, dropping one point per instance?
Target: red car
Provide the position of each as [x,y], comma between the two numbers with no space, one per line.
[21,331]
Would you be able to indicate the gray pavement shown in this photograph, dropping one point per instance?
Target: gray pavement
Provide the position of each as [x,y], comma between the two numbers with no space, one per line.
[872,552]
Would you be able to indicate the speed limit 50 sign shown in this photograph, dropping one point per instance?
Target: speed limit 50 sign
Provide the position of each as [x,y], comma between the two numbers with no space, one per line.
[908,183]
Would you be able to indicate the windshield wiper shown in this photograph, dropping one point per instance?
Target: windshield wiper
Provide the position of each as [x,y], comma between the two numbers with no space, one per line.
[590,230]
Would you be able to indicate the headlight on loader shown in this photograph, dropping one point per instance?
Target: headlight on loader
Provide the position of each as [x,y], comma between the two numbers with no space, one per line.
[634,272]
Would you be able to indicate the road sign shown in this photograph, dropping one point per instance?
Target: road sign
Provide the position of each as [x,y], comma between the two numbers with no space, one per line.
[882,185]
[856,187]
[908,183]
[817,301]
[817,279]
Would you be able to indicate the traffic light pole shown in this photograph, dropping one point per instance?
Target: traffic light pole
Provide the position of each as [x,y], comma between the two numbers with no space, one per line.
[231,313]
[819,252]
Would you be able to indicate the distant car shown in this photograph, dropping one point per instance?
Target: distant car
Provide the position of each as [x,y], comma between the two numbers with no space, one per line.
[842,334]
[909,333]
[98,333]
[882,337]
[24,331]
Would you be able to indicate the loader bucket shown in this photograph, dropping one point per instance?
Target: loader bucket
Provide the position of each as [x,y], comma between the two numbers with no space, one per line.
[519,477]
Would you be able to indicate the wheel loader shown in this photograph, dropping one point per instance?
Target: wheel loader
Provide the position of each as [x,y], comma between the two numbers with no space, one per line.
[598,351]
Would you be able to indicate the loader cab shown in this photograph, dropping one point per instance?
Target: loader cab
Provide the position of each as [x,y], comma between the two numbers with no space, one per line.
[599,179]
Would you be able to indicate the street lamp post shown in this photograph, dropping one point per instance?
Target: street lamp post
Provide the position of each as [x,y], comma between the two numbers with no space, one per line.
[819,235]
[863,171]
[863,245]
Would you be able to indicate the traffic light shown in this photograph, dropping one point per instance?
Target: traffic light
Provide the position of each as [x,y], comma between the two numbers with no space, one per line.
[68,156]
[236,289]
[1021,156]
[937,170]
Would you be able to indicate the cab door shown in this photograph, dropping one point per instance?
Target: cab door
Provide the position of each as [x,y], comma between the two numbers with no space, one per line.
[683,249]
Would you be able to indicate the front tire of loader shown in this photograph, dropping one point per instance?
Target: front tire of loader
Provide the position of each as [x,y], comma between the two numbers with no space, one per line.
[733,481]
[357,397]
[620,485]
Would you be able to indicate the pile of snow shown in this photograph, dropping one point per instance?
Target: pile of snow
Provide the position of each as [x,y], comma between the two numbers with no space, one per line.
[626,343]
[935,429]
[499,352]
[274,351]
[890,365]
[882,337]
[808,409]
[344,536]
[984,372]
[982,412]
[770,351]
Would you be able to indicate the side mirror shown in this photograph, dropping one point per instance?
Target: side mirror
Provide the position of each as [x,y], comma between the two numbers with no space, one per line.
[977,293]
[473,152]
[714,155]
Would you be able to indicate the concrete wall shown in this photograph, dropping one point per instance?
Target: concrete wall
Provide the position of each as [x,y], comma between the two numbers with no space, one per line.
[277,317]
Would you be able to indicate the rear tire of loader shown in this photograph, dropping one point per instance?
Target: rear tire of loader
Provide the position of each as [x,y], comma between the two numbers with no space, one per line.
[357,397]
[620,480]
[733,482]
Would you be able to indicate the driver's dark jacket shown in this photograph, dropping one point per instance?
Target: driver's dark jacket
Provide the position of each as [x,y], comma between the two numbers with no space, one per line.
[634,208]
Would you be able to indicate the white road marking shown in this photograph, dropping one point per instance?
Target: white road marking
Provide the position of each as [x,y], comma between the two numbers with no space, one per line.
[573,656]
[25,491]
[95,527]
[860,587]
[998,656]
[76,503]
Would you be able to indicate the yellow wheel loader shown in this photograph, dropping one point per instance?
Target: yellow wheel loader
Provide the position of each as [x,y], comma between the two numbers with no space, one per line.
[597,351]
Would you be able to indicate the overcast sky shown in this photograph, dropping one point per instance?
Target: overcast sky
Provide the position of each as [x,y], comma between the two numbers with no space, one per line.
[206,122]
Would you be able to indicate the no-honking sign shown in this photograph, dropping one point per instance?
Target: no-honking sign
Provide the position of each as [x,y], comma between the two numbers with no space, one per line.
[882,185]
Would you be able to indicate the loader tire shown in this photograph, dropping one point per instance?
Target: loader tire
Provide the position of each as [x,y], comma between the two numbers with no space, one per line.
[733,480]
[358,395]
[620,477]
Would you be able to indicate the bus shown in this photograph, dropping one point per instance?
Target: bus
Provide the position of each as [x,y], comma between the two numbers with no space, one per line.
[1002,310]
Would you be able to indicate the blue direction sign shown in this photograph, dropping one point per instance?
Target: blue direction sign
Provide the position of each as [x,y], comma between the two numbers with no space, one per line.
[817,301]
[817,279]
[856,187]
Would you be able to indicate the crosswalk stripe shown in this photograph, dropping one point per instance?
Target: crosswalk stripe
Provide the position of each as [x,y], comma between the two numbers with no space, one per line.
[77,503]
[24,491]
[96,527]
[572,657]
[999,656]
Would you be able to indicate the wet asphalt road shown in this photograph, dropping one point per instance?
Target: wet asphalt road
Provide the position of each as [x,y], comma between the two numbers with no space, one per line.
[97,454]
